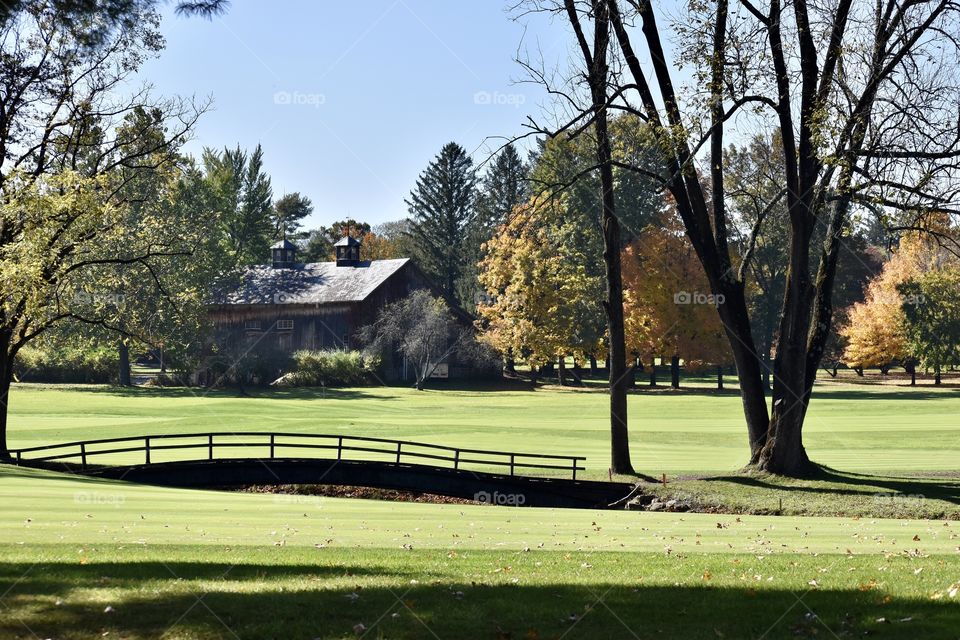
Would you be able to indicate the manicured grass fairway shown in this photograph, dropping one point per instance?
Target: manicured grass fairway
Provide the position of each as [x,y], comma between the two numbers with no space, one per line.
[850,428]
[201,564]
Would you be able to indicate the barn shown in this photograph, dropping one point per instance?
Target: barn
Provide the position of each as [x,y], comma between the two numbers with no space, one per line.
[287,305]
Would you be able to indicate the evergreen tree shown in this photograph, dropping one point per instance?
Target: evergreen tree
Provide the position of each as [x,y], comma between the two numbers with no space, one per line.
[288,213]
[503,188]
[242,194]
[442,208]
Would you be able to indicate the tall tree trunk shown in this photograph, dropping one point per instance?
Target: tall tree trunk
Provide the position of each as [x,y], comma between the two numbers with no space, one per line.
[577,373]
[747,358]
[123,353]
[561,368]
[598,79]
[510,365]
[675,371]
[653,372]
[766,369]
[936,374]
[719,377]
[6,376]
[593,367]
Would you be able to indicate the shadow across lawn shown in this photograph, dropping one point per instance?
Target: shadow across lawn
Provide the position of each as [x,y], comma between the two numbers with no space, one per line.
[884,393]
[154,599]
[311,393]
[848,483]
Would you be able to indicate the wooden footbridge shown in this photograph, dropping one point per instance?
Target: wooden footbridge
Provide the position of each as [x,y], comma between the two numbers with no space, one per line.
[266,458]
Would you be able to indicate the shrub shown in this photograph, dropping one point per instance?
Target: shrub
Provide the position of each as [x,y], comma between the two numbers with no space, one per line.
[89,364]
[330,368]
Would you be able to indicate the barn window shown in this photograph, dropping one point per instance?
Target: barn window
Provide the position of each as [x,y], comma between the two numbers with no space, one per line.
[284,325]
[252,325]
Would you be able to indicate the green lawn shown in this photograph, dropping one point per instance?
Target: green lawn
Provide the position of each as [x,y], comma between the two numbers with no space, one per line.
[201,564]
[82,558]
[858,429]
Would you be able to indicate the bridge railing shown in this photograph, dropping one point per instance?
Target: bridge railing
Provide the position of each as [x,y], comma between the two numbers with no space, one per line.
[275,445]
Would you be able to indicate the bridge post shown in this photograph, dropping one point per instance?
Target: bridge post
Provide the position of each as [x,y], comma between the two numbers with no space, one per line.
[339,447]
[456,459]
[272,444]
[511,463]
[210,445]
[399,444]
[146,449]
[574,468]
[83,455]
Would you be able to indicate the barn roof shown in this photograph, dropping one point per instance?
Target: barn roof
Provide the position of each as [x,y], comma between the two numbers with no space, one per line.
[311,283]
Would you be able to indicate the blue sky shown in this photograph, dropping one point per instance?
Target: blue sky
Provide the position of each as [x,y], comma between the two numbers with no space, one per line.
[350,100]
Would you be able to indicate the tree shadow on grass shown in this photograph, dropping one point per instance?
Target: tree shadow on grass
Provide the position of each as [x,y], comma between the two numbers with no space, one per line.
[302,393]
[195,600]
[885,393]
[856,484]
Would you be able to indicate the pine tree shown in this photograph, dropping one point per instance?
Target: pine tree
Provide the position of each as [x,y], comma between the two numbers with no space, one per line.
[242,194]
[442,207]
[288,213]
[503,189]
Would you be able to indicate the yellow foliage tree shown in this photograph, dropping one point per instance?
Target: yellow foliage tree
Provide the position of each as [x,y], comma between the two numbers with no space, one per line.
[874,330]
[541,303]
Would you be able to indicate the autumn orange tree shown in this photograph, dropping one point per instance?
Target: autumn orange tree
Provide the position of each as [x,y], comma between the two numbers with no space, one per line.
[668,307]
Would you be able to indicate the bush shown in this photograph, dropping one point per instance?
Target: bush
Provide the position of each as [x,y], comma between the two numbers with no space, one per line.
[90,364]
[330,369]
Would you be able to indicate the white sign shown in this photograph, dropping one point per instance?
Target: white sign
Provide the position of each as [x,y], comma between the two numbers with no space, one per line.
[442,370]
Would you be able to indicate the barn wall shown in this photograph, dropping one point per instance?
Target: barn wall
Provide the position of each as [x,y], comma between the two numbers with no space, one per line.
[329,326]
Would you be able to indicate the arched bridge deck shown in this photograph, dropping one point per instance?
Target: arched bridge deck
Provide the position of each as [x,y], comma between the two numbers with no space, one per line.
[217,459]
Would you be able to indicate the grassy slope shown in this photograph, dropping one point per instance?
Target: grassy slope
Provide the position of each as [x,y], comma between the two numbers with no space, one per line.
[851,428]
[200,564]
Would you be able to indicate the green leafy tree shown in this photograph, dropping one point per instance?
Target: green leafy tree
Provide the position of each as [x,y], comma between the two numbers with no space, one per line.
[932,318]
[68,224]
